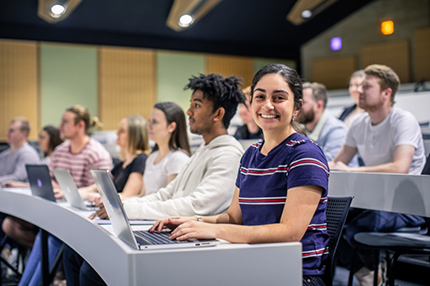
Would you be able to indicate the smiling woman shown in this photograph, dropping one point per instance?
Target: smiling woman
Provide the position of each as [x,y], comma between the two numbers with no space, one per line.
[282,182]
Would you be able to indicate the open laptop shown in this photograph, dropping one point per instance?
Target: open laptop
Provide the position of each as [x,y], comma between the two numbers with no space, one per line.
[67,184]
[40,181]
[143,240]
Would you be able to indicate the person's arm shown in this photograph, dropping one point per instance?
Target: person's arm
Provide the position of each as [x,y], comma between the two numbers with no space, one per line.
[208,195]
[19,172]
[343,157]
[87,191]
[133,186]
[15,184]
[402,159]
[300,206]
[333,142]
[233,215]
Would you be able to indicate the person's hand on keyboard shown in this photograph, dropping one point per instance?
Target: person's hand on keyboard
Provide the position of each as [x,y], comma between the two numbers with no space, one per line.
[171,223]
[101,212]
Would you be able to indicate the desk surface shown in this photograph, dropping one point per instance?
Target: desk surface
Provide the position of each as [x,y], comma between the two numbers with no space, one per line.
[400,193]
[118,264]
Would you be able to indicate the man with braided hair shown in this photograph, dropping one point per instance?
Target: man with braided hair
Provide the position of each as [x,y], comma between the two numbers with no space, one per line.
[205,186]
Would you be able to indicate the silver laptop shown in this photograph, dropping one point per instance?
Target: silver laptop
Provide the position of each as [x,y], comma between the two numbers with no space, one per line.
[143,240]
[67,184]
[40,181]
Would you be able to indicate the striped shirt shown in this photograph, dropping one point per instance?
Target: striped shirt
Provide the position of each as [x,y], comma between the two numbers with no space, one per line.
[264,182]
[93,155]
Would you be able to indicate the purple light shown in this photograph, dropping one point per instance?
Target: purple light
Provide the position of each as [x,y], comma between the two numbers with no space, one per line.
[336,43]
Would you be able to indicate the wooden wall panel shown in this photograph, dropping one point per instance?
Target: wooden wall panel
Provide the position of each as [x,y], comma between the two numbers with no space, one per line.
[126,84]
[241,67]
[393,54]
[422,54]
[18,84]
[334,73]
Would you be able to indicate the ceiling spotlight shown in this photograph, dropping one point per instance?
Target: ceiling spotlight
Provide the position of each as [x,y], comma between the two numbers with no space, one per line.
[57,10]
[185,21]
[306,14]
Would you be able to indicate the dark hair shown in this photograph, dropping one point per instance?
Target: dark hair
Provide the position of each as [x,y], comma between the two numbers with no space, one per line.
[179,137]
[82,114]
[54,137]
[387,78]
[291,77]
[223,92]
[319,91]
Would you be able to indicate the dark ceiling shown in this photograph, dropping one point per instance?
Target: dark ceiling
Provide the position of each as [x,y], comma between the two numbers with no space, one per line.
[255,28]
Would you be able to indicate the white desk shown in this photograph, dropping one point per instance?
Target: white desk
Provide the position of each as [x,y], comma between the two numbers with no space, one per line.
[118,264]
[399,193]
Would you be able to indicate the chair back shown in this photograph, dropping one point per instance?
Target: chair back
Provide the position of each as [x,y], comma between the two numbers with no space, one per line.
[426,169]
[336,213]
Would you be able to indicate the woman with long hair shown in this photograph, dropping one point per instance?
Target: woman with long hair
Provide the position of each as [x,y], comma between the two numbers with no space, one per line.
[132,138]
[167,128]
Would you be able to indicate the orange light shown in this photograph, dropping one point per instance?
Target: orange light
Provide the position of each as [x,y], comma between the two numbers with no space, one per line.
[387,27]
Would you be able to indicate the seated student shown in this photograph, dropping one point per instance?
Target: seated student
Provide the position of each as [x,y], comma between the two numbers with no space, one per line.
[205,186]
[322,127]
[13,159]
[286,203]
[168,129]
[132,138]
[249,129]
[78,154]
[48,139]
[389,140]
[349,113]
[12,168]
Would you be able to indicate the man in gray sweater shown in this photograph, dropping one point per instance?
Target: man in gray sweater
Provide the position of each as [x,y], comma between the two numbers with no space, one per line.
[13,160]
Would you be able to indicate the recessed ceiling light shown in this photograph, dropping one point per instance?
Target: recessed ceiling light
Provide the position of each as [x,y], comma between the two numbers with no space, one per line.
[57,10]
[185,21]
[306,14]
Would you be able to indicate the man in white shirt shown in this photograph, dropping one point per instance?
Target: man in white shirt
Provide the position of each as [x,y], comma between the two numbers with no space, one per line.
[389,140]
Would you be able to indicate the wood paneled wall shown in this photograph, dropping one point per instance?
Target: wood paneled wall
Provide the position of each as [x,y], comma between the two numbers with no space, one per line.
[19,84]
[393,54]
[334,73]
[422,54]
[241,67]
[126,84]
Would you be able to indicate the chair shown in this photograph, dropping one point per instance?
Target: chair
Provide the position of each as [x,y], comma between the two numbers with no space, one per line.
[336,213]
[21,254]
[404,241]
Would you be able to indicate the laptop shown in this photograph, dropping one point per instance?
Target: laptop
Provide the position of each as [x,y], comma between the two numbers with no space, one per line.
[40,181]
[67,184]
[142,240]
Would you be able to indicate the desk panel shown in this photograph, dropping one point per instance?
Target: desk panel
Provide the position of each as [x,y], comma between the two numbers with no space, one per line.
[118,264]
[399,193]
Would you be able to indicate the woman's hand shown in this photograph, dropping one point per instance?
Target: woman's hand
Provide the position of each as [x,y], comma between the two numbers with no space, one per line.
[193,230]
[171,223]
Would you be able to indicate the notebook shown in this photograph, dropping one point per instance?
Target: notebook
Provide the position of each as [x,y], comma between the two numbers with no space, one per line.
[142,240]
[67,184]
[40,181]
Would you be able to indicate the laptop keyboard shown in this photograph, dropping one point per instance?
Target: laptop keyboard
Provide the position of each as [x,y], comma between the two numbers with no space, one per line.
[155,237]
